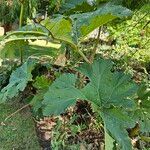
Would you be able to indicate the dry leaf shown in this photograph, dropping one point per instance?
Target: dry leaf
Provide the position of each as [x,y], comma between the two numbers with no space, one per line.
[61,60]
[1,31]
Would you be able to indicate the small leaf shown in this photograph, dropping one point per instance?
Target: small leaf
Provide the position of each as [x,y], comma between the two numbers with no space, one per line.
[41,84]
[18,80]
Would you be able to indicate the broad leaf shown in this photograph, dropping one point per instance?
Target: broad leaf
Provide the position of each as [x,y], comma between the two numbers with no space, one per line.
[104,89]
[17,41]
[86,22]
[28,32]
[116,123]
[108,88]
[109,141]
[72,6]
[74,27]
[61,94]
[61,28]
[18,80]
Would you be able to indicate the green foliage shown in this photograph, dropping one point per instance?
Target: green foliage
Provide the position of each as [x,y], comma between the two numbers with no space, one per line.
[10,10]
[142,113]
[105,89]
[69,29]
[87,22]
[62,93]
[131,39]
[116,122]
[111,93]
[24,40]
[131,4]
[83,23]
[145,8]
[18,80]
[109,141]
[71,6]
[42,85]
[61,29]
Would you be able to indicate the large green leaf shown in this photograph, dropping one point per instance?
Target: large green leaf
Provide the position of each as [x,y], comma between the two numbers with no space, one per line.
[28,32]
[104,90]
[109,141]
[18,80]
[116,123]
[74,27]
[108,88]
[12,49]
[17,41]
[72,6]
[86,22]
[61,94]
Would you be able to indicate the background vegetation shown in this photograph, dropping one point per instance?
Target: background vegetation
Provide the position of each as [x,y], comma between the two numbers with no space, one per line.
[82,68]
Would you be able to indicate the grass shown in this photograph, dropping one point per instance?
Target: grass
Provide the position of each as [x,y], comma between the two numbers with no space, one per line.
[18,133]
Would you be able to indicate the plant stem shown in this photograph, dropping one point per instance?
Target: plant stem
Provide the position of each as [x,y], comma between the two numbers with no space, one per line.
[83,56]
[140,19]
[145,138]
[146,24]
[25,106]
[96,44]
[21,15]
[20,25]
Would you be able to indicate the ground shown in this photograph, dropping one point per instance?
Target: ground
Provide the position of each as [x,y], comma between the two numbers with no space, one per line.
[18,132]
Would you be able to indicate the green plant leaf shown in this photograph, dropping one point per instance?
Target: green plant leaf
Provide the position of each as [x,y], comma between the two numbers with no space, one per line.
[142,116]
[18,80]
[86,22]
[105,89]
[41,84]
[61,28]
[116,123]
[108,88]
[109,141]
[12,49]
[74,27]
[61,94]
[72,6]
[142,113]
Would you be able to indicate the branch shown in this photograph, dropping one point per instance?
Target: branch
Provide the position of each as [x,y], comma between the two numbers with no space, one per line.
[25,106]
[96,44]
